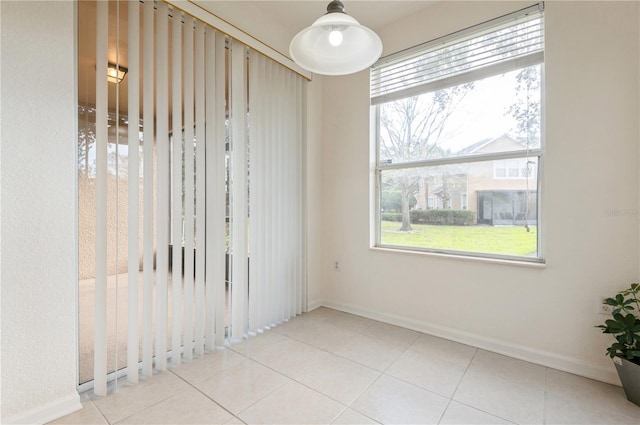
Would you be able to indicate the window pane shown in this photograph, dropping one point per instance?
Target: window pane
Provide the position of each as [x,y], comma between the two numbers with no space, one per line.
[495,114]
[461,207]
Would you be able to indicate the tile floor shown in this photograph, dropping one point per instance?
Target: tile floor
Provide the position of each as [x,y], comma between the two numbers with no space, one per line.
[331,367]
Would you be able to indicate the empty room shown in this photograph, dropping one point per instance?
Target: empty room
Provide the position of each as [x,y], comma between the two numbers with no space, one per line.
[320,212]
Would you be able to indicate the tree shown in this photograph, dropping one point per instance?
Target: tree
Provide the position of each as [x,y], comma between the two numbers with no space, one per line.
[526,108]
[410,130]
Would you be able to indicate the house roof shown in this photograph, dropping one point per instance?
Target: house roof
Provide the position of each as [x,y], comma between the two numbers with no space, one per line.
[480,145]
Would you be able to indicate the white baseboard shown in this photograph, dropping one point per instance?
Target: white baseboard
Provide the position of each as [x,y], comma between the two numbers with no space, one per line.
[312,305]
[541,357]
[48,412]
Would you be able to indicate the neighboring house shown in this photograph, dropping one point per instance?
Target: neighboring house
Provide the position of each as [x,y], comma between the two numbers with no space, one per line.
[501,192]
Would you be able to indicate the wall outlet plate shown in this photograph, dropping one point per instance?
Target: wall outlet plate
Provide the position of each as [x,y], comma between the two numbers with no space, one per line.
[602,307]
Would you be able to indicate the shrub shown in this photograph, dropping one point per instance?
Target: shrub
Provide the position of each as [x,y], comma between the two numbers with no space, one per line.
[443,217]
[391,216]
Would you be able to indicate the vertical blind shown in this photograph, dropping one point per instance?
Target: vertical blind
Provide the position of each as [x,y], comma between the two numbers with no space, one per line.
[215,165]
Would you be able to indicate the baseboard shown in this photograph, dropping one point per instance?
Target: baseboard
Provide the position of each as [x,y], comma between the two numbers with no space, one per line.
[48,412]
[543,358]
[312,305]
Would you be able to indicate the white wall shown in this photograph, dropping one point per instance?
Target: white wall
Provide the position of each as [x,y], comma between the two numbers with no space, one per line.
[546,314]
[39,271]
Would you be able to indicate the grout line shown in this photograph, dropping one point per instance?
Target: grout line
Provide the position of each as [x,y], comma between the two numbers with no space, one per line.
[200,391]
[458,386]
[99,411]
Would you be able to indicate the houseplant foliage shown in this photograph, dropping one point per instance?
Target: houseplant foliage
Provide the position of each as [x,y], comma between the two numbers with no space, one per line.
[624,324]
[625,328]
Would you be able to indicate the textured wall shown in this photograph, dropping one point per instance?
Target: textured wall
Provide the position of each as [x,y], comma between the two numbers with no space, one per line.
[39,271]
[117,226]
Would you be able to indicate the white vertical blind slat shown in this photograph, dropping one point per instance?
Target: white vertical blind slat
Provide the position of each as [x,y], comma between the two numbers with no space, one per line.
[302,210]
[210,181]
[162,135]
[200,191]
[272,193]
[262,185]
[259,84]
[220,213]
[254,209]
[292,201]
[133,191]
[188,188]
[176,131]
[280,197]
[239,192]
[100,309]
[148,148]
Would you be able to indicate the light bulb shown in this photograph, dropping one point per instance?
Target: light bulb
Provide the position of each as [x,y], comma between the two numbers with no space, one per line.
[335,37]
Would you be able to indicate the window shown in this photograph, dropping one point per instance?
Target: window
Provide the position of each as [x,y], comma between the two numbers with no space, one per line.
[517,168]
[458,140]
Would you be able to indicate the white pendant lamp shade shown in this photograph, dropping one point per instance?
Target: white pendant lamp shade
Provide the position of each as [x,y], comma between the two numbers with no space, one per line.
[336,44]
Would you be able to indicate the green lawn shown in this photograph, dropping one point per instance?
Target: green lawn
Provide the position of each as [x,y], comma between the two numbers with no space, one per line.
[511,240]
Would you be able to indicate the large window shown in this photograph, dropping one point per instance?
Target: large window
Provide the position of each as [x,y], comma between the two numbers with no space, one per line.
[459,141]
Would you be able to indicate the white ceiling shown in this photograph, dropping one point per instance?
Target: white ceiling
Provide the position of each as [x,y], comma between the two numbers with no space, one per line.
[295,15]
[276,22]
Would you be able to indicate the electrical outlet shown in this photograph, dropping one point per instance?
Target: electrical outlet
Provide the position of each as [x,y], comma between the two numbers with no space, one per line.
[336,266]
[604,308]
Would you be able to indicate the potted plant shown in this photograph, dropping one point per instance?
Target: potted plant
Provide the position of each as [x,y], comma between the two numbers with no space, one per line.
[625,327]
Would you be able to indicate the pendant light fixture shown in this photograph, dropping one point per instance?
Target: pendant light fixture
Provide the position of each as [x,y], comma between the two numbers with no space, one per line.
[335,44]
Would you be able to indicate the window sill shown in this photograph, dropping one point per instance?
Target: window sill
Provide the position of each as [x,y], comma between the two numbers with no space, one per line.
[541,264]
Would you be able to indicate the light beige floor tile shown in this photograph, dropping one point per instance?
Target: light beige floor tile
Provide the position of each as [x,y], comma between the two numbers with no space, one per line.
[293,403]
[350,322]
[392,401]
[210,364]
[561,411]
[234,421]
[322,313]
[589,392]
[338,378]
[391,334]
[351,417]
[298,327]
[509,368]
[88,415]
[325,336]
[370,352]
[506,399]
[444,349]
[430,373]
[188,407]
[289,356]
[460,414]
[259,342]
[237,388]
[131,399]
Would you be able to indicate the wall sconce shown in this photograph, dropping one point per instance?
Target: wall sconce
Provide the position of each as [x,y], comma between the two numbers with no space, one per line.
[115,73]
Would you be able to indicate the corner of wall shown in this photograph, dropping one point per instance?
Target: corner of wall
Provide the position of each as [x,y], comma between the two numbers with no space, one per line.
[48,412]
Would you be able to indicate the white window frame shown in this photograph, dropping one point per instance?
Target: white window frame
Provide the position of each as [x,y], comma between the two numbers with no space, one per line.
[521,165]
[378,98]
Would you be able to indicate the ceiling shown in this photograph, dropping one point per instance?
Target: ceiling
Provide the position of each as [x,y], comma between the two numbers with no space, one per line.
[290,17]
[296,15]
